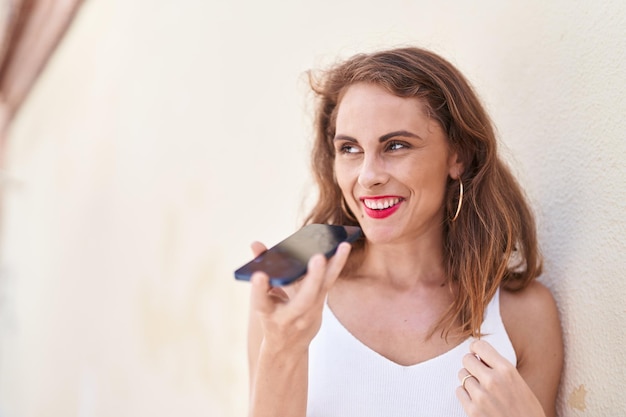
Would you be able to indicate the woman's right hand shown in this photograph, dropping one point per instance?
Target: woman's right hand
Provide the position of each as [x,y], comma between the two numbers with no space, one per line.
[291,316]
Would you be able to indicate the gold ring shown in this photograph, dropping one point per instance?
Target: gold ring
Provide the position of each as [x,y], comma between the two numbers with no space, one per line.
[465,380]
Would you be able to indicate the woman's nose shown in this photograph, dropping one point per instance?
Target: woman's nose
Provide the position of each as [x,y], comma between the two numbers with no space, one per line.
[373,172]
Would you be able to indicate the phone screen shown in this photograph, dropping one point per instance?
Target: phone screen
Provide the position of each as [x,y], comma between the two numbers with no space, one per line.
[287,261]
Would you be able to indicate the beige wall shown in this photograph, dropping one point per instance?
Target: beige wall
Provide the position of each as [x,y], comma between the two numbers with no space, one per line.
[165,136]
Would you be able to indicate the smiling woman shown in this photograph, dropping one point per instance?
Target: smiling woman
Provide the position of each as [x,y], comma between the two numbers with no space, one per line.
[384,165]
[436,312]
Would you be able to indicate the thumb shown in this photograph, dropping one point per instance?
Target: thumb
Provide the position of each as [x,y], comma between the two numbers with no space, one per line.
[257,248]
[260,300]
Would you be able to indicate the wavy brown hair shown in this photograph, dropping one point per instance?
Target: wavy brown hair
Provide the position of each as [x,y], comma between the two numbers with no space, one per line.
[493,241]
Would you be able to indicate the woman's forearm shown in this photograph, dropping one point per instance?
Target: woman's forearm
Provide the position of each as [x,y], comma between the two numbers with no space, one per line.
[280,383]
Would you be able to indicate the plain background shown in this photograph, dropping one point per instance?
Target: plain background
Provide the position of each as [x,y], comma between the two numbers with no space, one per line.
[164,136]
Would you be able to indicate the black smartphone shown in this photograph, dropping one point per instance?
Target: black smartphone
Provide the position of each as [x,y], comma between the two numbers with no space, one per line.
[287,261]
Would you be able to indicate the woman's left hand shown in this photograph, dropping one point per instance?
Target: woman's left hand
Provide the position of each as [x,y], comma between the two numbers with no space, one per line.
[495,387]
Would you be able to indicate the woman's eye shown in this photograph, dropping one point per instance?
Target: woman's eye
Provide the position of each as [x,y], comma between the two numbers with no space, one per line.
[394,146]
[347,148]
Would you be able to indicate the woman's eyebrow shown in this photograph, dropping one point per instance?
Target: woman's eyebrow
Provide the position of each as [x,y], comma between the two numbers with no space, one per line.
[383,138]
[345,137]
[403,133]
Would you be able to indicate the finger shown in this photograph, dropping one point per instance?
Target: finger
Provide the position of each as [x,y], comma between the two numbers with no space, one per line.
[461,392]
[463,372]
[475,366]
[488,354]
[467,379]
[336,264]
[321,274]
[260,300]
[257,248]
[312,284]
[464,399]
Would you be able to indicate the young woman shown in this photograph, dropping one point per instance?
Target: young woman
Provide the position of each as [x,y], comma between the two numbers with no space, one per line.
[436,312]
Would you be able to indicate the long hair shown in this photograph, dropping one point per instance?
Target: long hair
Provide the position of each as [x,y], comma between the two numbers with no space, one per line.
[493,241]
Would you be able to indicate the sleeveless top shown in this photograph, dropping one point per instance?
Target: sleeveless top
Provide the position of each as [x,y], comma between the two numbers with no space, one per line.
[347,378]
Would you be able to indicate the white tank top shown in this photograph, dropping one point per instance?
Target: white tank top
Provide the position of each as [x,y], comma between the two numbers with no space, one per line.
[348,379]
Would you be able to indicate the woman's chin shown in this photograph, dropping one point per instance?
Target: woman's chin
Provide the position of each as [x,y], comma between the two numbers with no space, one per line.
[380,235]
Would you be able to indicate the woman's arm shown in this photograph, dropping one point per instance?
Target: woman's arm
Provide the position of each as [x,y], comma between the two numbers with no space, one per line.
[278,381]
[283,321]
[496,387]
[532,320]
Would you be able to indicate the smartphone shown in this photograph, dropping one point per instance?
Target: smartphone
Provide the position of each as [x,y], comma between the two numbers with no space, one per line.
[287,261]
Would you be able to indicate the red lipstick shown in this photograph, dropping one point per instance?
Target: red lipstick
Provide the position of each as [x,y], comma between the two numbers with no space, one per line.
[373,211]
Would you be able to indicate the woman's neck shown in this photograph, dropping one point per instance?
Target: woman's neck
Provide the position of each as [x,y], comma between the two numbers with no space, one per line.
[401,265]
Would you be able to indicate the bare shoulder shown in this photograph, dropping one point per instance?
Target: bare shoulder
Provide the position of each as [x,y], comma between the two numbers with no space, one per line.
[529,314]
[535,299]
[531,319]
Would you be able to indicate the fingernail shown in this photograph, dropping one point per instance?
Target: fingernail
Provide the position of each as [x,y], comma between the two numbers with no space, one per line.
[316,260]
[256,277]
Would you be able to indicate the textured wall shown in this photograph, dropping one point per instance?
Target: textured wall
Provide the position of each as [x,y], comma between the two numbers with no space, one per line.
[165,136]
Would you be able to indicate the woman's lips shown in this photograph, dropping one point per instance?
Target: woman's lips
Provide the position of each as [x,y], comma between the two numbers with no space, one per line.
[382,206]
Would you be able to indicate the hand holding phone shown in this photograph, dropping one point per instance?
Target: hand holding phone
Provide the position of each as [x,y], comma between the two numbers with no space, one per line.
[287,261]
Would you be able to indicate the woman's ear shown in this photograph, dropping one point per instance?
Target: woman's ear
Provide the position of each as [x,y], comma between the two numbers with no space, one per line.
[456,166]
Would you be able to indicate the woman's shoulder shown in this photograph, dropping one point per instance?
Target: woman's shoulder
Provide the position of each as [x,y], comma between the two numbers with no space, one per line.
[535,297]
[531,318]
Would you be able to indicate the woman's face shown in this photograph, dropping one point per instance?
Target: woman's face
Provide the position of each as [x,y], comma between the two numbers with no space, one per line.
[391,163]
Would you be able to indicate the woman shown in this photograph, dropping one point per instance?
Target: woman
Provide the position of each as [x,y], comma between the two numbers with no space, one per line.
[436,312]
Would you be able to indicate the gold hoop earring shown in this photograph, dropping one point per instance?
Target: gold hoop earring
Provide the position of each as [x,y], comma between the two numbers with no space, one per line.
[458,207]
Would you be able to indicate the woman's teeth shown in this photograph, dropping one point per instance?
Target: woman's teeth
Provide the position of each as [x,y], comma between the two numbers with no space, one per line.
[381,203]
